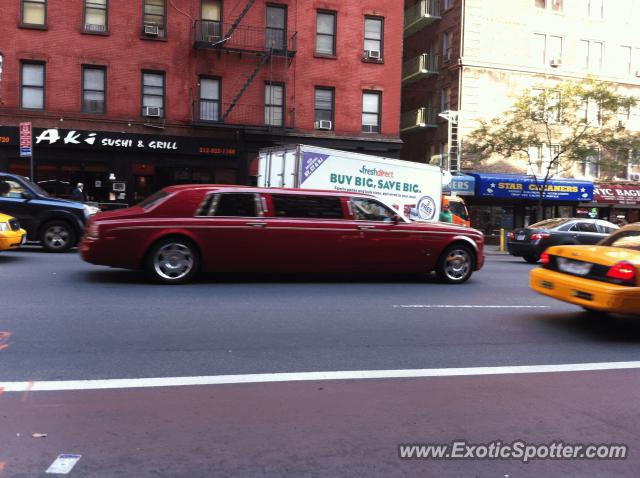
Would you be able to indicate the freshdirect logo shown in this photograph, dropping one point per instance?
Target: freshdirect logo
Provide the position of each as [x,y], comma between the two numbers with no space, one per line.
[376,172]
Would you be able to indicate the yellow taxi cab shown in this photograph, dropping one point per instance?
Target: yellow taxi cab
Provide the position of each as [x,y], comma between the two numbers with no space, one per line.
[11,235]
[600,278]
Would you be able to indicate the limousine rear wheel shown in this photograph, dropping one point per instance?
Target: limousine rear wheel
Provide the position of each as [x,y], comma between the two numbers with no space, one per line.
[455,264]
[174,260]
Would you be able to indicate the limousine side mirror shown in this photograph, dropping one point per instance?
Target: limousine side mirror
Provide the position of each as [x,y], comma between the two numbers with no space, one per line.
[396,219]
[27,195]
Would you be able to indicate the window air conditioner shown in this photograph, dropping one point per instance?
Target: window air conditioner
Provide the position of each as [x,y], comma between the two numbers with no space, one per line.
[151,111]
[372,55]
[323,124]
[151,29]
[89,27]
[555,62]
[634,176]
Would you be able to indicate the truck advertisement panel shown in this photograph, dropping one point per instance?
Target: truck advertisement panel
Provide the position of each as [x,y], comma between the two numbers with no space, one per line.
[413,189]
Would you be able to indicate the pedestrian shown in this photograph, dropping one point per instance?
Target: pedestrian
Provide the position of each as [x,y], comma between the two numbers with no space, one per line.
[78,193]
[445,214]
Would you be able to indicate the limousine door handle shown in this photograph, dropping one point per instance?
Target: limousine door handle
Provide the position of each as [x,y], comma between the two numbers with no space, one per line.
[257,224]
[364,228]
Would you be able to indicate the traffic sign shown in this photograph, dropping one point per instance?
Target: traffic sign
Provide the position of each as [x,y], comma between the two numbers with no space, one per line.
[25,140]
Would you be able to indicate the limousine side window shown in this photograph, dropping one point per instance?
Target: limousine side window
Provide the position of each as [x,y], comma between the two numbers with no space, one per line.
[371,210]
[306,207]
[228,205]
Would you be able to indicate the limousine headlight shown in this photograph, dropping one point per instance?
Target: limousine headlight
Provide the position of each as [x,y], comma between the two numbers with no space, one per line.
[90,210]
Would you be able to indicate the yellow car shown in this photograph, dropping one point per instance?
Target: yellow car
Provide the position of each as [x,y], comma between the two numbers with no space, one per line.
[11,235]
[600,278]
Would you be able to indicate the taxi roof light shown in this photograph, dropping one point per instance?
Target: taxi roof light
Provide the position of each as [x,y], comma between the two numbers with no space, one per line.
[623,271]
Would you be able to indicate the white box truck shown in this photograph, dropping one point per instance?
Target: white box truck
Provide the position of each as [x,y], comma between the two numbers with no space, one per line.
[414,189]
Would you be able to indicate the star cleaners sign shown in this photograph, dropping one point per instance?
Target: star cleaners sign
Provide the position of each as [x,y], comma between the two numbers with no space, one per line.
[526,187]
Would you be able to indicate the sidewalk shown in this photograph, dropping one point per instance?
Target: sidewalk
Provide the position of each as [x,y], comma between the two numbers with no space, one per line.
[494,250]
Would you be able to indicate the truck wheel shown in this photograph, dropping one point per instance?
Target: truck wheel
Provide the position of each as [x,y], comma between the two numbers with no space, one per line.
[531,259]
[58,236]
[174,260]
[455,265]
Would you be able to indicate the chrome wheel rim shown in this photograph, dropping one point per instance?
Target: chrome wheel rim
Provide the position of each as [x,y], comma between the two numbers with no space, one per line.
[457,264]
[173,261]
[56,237]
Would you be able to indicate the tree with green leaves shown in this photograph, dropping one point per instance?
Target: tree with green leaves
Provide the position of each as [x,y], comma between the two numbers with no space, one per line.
[555,128]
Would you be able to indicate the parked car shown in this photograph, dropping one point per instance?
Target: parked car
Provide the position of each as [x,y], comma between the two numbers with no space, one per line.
[56,223]
[530,242]
[600,278]
[182,230]
[12,235]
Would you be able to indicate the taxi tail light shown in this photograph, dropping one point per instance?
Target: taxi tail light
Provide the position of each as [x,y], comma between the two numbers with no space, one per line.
[539,235]
[544,258]
[622,271]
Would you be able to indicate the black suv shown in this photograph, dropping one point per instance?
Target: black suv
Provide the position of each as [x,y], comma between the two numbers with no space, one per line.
[530,242]
[56,223]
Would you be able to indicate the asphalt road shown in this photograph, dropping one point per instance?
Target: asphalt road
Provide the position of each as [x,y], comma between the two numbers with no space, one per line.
[62,319]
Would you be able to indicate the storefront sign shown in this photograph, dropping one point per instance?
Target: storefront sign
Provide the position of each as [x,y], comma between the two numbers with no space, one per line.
[461,185]
[616,194]
[507,186]
[105,140]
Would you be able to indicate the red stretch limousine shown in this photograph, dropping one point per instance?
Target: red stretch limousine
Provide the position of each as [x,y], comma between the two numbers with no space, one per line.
[181,230]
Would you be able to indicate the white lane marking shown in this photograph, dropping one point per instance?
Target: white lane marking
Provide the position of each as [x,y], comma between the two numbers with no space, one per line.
[68,385]
[451,306]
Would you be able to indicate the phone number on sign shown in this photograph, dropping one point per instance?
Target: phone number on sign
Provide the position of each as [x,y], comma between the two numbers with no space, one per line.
[225,151]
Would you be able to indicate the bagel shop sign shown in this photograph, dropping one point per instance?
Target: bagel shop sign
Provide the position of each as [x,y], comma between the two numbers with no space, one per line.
[628,194]
[107,140]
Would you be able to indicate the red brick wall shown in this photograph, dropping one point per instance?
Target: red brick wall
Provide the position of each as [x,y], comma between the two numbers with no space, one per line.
[64,49]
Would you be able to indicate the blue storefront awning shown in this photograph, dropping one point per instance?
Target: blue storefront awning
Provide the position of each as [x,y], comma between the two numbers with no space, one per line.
[514,186]
[463,185]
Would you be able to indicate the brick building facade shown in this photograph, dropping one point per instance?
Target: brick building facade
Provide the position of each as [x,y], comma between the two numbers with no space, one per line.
[155,92]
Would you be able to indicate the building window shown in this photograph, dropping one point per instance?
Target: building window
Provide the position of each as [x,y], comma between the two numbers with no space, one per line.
[153,94]
[589,113]
[373,36]
[625,60]
[371,112]
[93,89]
[547,50]
[95,15]
[211,16]
[323,108]
[446,5]
[553,5]
[154,18]
[447,46]
[274,104]
[326,33]
[590,55]
[276,30]
[209,99]
[591,165]
[593,8]
[32,86]
[445,99]
[33,12]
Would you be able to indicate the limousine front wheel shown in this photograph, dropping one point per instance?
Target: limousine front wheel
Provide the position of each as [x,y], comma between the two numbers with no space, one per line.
[173,261]
[455,264]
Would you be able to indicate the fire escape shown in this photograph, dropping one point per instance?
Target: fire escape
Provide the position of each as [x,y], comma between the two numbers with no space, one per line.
[264,44]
